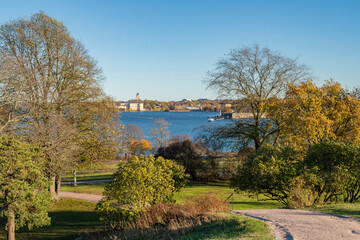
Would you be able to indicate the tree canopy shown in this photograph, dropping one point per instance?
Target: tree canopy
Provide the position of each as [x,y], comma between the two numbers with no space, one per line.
[309,114]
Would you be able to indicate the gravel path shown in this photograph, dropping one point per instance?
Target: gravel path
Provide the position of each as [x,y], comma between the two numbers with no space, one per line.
[81,196]
[301,224]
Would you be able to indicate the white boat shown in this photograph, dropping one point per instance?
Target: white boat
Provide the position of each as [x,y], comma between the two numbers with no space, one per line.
[210,120]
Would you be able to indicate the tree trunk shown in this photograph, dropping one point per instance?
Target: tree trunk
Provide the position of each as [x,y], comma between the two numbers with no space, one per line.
[52,188]
[57,186]
[74,182]
[11,226]
[257,133]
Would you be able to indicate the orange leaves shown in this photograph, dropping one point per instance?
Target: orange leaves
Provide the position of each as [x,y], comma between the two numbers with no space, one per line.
[138,147]
[308,114]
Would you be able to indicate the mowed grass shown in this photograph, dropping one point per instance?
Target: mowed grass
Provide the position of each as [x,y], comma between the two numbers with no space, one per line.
[103,172]
[237,202]
[94,188]
[89,177]
[69,219]
[231,227]
[346,209]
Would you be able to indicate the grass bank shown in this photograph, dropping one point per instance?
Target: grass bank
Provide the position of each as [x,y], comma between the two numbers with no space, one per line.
[346,209]
[69,218]
[230,227]
[238,201]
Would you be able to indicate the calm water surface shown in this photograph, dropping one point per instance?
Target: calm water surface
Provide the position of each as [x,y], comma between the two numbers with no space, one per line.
[181,123]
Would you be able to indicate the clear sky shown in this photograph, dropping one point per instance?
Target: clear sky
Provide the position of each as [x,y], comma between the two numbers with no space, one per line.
[163,49]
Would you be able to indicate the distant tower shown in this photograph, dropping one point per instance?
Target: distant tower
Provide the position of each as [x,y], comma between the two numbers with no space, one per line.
[138,97]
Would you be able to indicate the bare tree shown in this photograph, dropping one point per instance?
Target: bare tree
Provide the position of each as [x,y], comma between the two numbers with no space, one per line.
[160,133]
[130,134]
[253,74]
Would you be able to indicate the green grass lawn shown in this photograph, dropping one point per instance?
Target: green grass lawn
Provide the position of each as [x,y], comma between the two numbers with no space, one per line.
[238,202]
[104,171]
[346,209]
[89,177]
[69,218]
[232,227]
[94,188]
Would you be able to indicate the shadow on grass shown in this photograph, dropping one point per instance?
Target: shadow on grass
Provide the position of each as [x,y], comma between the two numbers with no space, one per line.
[241,205]
[64,225]
[210,184]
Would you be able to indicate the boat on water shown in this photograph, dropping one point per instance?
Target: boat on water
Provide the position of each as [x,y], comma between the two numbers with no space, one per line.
[217,117]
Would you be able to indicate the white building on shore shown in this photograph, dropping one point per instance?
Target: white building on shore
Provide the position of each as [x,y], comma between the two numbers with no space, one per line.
[132,105]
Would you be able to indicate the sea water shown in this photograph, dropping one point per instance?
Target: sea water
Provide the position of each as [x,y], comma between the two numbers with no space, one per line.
[181,123]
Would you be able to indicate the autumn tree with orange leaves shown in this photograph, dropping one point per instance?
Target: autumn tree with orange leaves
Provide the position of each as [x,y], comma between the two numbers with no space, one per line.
[139,147]
[309,114]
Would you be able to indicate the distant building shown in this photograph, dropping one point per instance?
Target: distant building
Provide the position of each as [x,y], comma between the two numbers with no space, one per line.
[123,106]
[132,105]
[136,106]
[191,108]
[225,105]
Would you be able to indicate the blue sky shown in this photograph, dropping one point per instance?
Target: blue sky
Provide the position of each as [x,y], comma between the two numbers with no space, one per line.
[163,49]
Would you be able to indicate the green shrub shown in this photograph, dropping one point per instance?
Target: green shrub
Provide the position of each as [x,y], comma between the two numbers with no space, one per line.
[169,220]
[139,183]
[270,171]
[334,170]
[330,171]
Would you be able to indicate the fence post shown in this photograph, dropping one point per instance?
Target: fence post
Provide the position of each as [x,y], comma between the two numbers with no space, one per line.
[74,174]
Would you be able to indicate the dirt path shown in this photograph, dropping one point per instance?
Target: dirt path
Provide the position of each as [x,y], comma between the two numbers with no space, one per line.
[301,224]
[81,196]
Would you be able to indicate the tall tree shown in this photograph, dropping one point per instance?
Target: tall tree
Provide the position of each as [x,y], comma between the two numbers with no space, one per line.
[253,74]
[54,74]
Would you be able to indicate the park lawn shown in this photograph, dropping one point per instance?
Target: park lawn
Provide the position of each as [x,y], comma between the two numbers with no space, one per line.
[89,176]
[70,218]
[346,209]
[231,227]
[105,171]
[238,202]
[94,188]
